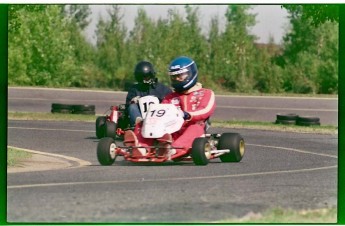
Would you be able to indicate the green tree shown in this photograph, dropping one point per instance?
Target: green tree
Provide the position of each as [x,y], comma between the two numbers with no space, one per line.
[142,39]
[86,70]
[112,49]
[78,14]
[316,14]
[39,51]
[237,50]
[214,55]
[310,58]
[14,22]
[197,44]
[268,76]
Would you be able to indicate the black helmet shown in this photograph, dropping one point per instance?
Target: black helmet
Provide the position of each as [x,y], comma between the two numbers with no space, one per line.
[144,73]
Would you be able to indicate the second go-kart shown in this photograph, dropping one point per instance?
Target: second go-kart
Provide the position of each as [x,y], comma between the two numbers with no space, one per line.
[114,124]
[161,119]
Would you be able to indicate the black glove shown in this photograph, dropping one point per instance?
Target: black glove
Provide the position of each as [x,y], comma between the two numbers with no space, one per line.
[186,115]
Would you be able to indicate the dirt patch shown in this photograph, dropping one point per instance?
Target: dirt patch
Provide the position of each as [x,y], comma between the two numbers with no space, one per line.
[39,162]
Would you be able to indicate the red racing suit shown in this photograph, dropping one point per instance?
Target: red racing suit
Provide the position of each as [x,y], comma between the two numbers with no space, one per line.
[200,104]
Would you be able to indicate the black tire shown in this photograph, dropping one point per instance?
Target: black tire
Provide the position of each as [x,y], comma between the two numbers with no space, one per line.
[80,107]
[109,129]
[287,117]
[308,119]
[57,106]
[308,123]
[106,151]
[200,150]
[286,122]
[100,121]
[84,112]
[63,111]
[235,143]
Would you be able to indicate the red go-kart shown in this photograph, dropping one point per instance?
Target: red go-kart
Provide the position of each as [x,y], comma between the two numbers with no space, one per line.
[114,123]
[160,119]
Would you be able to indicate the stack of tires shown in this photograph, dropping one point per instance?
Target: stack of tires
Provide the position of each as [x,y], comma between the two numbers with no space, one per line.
[287,119]
[293,119]
[84,109]
[73,109]
[308,121]
[62,108]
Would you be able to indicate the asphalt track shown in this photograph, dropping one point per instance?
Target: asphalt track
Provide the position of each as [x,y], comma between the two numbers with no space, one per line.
[288,170]
[234,107]
[279,169]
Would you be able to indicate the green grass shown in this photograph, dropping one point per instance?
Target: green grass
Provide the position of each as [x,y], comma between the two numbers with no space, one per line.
[279,215]
[16,156]
[323,129]
[50,116]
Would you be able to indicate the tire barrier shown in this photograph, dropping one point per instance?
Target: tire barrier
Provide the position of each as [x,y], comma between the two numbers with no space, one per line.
[308,121]
[287,119]
[73,109]
[293,119]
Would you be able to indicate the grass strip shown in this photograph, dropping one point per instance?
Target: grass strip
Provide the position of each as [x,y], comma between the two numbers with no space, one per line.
[323,129]
[50,116]
[280,215]
[16,156]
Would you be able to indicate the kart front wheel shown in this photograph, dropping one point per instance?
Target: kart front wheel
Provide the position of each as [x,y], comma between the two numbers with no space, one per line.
[110,129]
[235,143]
[106,151]
[100,121]
[201,151]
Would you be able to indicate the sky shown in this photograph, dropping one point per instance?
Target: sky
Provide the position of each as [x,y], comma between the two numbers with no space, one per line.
[271,19]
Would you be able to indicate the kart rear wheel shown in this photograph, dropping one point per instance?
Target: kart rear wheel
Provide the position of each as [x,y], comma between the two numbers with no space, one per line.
[201,151]
[106,151]
[235,143]
[100,121]
[109,129]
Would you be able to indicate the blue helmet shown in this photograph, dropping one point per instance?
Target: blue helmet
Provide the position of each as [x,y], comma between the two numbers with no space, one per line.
[182,65]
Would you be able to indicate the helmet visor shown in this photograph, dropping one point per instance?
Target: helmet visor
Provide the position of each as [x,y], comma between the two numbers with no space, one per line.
[179,77]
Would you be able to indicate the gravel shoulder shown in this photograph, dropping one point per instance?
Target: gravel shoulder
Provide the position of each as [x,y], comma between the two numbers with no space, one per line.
[39,162]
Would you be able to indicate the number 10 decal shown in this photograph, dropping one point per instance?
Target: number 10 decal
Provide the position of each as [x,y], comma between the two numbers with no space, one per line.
[146,106]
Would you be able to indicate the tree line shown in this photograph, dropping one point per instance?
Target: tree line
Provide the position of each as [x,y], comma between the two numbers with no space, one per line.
[47,47]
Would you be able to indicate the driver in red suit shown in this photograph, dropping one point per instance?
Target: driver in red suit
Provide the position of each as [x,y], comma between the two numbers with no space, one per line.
[196,103]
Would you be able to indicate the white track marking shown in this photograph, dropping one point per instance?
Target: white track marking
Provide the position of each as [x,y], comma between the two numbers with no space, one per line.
[293,149]
[171,179]
[197,178]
